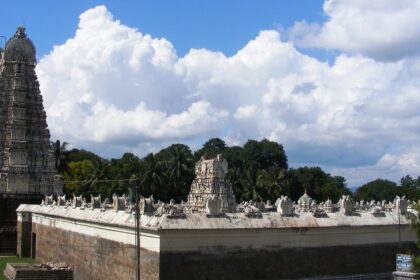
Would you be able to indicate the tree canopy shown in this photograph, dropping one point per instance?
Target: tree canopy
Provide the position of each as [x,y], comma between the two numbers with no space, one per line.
[258,170]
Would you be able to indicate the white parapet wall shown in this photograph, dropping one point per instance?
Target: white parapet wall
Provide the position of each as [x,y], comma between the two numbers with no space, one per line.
[197,231]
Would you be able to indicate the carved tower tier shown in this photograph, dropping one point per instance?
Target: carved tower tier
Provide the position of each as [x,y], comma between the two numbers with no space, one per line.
[26,159]
[210,180]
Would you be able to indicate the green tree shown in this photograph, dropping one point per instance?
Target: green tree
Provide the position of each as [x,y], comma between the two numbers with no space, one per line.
[264,154]
[79,155]
[378,190]
[178,163]
[77,177]
[235,175]
[271,181]
[100,179]
[211,149]
[153,178]
[251,187]
[60,155]
[318,184]
[234,156]
[410,187]
[127,167]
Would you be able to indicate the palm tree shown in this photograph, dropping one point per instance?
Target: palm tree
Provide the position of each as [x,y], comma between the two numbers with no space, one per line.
[152,176]
[179,168]
[235,175]
[251,188]
[272,182]
[99,172]
[60,151]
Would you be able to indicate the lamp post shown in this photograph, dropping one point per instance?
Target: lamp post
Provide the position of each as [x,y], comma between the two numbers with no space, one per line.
[399,225]
[137,224]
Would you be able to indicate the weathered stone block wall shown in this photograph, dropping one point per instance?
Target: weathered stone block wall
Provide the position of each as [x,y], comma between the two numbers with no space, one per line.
[8,205]
[92,257]
[280,263]
[24,233]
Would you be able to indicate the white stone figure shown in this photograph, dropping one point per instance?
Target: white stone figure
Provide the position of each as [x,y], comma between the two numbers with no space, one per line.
[304,202]
[95,202]
[377,210]
[328,206]
[160,210]
[61,200]
[346,206]
[285,207]
[277,202]
[214,206]
[119,202]
[147,205]
[252,211]
[401,205]
[84,204]
[319,212]
[49,200]
[77,201]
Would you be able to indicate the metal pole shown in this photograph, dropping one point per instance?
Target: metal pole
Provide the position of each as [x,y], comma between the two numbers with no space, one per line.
[137,212]
[399,227]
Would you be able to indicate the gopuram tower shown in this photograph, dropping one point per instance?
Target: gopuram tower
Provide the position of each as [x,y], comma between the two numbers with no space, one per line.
[27,166]
[210,182]
[26,159]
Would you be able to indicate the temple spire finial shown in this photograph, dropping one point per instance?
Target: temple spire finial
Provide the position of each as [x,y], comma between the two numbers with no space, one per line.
[20,32]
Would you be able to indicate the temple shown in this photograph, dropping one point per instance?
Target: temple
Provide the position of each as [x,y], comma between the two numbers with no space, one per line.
[213,237]
[210,182]
[26,158]
[27,168]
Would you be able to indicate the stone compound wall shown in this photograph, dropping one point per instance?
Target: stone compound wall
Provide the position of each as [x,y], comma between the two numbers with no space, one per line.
[100,244]
[280,263]
[92,257]
[8,205]
[97,258]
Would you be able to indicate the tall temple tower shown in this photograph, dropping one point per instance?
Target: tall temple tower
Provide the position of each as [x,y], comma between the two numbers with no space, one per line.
[27,169]
[26,158]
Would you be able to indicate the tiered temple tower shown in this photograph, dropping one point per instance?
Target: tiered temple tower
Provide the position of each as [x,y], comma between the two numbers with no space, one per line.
[210,180]
[27,166]
[26,158]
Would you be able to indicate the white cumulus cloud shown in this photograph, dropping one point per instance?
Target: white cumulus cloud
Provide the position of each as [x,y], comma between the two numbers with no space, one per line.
[112,89]
[382,29]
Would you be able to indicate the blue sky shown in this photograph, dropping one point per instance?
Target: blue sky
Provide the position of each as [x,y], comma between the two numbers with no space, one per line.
[224,26]
[335,81]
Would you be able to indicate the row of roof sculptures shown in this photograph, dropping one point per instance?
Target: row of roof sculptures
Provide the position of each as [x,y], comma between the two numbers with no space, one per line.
[211,194]
[283,205]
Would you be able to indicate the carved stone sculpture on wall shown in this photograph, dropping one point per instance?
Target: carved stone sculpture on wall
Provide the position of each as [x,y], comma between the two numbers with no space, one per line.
[285,206]
[214,206]
[146,205]
[346,205]
[305,202]
[401,205]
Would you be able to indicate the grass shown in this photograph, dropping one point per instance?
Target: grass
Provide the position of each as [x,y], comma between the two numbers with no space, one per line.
[5,260]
